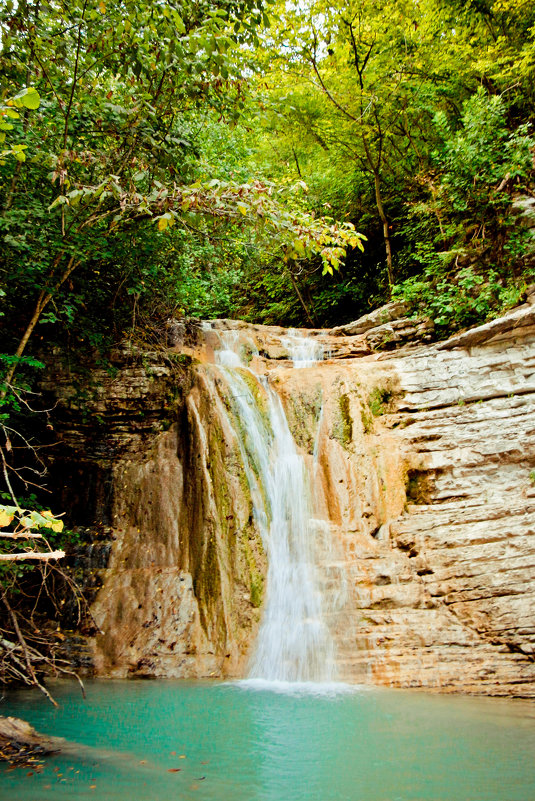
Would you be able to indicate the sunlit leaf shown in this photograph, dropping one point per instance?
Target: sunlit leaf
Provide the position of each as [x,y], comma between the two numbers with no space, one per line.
[5,518]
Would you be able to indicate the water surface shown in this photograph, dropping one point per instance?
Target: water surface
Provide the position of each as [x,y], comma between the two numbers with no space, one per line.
[164,740]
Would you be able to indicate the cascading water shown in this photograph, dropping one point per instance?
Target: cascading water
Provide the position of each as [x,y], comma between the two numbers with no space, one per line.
[294,642]
[302,351]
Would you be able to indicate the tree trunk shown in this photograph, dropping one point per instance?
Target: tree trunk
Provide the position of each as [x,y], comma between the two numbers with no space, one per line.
[43,300]
[386,232]
[301,299]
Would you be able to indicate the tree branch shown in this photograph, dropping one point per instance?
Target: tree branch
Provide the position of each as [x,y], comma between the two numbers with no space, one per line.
[40,557]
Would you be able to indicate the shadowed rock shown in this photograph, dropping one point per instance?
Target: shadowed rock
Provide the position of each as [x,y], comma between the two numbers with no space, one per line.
[20,743]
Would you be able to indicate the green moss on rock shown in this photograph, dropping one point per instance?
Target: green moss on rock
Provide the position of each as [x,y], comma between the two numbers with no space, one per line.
[343,423]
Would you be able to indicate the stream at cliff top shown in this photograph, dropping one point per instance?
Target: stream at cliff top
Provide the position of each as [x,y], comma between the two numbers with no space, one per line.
[232,743]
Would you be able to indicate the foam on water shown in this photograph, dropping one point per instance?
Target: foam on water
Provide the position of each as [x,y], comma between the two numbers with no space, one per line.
[327,689]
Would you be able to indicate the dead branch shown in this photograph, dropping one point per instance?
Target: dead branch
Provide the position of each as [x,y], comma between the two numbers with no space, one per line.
[41,557]
[27,658]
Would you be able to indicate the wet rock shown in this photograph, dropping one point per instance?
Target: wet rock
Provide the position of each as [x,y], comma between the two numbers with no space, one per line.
[422,460]
[21,744]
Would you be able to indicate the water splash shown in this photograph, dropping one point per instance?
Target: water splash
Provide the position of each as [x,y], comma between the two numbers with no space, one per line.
[320,689]
[294,642]
[302,351]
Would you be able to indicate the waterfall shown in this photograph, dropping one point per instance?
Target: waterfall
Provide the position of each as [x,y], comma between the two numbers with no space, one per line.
[302,351]
[294,642]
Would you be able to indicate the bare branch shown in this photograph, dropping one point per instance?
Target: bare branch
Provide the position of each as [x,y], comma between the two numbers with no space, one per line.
[27,658]
[41,557]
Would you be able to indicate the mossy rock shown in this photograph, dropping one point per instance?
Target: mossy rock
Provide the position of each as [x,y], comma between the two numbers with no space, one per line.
[343,423]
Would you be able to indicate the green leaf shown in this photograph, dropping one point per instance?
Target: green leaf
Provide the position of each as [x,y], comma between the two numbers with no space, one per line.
[179,22]
[29,98]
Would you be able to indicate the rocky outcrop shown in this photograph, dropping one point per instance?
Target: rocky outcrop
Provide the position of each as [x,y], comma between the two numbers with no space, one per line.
[169,556]
[21,744]
[427,476]
[466,429]
[183,586]
[383,329]
[423,466]
[391,312]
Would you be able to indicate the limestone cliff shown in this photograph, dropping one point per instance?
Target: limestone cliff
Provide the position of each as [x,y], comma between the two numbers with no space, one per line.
[423,458]
[169,552]
[428,474]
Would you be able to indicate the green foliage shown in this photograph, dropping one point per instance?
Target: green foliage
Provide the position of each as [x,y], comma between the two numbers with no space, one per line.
[475,158]
[25,521]
[473,245]
[115,114]
[27,528]
[413,120]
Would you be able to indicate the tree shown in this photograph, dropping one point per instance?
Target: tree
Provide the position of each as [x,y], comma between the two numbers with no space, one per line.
[370,75]
[107,148]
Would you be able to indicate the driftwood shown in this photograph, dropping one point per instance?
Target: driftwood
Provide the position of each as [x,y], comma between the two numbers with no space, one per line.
[20,744]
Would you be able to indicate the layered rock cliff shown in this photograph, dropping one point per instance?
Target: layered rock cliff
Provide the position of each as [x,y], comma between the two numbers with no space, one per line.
[428,460]
[422,459]
[169,553]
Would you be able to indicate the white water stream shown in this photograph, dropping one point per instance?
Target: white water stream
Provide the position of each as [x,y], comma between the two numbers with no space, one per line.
[294,642]
[303,351]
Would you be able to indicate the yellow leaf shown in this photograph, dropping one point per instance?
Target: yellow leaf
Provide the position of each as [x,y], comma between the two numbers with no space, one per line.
[162,223]
[5,518]
[54,524]
[242,208]
[102,8]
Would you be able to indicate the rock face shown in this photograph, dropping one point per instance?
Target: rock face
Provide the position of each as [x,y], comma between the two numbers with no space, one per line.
[169,551]
[466,427]
[423,462]
[428,480]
